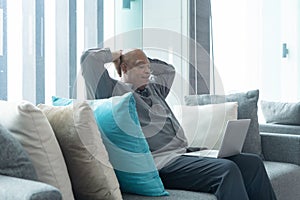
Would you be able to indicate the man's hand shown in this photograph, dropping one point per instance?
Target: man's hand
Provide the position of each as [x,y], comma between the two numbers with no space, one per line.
[116,55]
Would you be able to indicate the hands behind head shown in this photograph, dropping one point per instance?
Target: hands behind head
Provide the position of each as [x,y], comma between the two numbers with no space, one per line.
[116,55]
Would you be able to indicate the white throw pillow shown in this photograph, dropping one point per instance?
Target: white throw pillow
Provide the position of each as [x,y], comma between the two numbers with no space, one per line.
[204,126]
[30,126]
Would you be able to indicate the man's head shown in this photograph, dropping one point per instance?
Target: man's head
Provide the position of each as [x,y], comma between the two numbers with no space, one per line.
[135,68]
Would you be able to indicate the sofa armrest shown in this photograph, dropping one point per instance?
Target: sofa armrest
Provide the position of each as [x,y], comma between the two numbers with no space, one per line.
[281,147]
[279,128]
[12,188]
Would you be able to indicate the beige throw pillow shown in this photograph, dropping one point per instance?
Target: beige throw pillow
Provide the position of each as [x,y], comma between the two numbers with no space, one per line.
[204,126]
[30,126]
[91,173]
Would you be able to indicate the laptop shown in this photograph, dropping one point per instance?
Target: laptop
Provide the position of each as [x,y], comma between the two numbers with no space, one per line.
[232,142]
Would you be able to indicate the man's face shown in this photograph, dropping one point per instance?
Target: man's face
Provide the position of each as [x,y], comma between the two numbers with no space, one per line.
[138,69]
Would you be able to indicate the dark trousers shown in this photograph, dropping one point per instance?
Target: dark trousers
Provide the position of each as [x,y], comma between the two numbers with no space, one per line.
[239,177]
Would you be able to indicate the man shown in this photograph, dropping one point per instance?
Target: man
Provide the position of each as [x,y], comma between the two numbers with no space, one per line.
[239,177]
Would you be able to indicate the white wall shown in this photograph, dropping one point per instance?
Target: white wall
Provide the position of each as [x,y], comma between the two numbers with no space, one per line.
[248,38]
[289,24]
[280,76]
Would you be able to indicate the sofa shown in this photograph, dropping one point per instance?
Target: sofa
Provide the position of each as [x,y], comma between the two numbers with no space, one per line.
[18,188]
[281,151]
[279,145]
[282,164]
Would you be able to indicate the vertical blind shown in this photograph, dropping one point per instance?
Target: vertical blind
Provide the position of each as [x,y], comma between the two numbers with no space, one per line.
[3,52]
[41,41]
[199,72]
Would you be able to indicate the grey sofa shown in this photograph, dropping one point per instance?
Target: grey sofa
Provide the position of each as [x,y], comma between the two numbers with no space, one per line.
[18,179]
[281,151]
[279,144]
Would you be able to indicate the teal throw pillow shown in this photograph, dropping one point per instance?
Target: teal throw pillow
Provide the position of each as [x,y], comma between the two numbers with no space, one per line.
[125,143]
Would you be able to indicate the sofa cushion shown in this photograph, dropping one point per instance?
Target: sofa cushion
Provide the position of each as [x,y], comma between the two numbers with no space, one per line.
[14,160]
[22,189]
[247,109]
[90,171]
[281,112]
[201,122]
[285,179]
[279,128]
[29,125]
[174,195]
[125,143]
[281,147]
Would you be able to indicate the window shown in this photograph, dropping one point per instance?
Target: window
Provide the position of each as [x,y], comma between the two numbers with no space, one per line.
[42,42]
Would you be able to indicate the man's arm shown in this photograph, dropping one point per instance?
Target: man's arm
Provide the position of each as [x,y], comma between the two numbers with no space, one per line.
[97,80]
[163,75]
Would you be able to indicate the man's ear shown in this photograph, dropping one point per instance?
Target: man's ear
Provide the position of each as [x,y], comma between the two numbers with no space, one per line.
[124,68]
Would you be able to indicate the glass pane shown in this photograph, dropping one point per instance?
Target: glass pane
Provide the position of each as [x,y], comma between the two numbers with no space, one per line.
[163,35]
[50,52]
[128,24]
[1,32]
[123,28]
[14,49]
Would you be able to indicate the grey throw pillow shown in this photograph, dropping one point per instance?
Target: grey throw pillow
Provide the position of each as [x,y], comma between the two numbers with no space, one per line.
[90,171]
[281,112]
[14,161]
[247,109]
